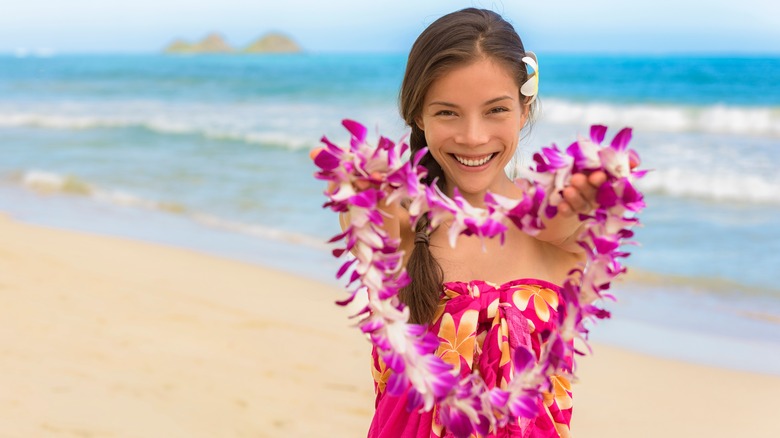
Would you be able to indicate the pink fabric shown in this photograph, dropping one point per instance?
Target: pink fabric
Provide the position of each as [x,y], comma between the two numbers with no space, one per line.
[469,325]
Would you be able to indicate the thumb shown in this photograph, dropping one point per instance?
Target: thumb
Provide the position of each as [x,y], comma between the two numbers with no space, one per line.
[314,152]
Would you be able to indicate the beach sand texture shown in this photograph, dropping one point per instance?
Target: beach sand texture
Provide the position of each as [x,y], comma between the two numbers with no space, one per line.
[108,337]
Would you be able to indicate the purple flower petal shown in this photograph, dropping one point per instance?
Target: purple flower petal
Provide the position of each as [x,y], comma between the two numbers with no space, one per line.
[413,400]
[326,160]
[524,406]
[366,199]
[380,341]
[621,139]
[346,301]
[357,130]
[397,384]
[606,196]
[456,422]
[524,359]
[604,245]
[371,325]
[428,343]
[483,425]
[597,133]
[344,267]
[498,397]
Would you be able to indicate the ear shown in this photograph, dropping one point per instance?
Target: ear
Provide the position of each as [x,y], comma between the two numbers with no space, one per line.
[419,122]
[526,112]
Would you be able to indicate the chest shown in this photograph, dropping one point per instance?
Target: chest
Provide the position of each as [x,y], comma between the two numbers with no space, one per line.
[521,256]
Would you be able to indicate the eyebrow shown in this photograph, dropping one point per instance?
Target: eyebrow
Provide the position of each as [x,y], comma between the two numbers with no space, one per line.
[489,102]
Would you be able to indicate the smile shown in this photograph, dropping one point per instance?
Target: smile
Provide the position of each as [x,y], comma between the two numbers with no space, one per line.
[474,161]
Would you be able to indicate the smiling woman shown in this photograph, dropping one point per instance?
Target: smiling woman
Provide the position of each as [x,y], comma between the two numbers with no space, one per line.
[467,95]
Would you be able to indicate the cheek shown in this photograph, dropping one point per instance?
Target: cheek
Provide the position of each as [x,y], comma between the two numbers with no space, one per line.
[511,136]
[434,141]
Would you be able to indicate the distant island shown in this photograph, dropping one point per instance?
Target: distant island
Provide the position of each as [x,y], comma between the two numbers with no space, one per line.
[214,43]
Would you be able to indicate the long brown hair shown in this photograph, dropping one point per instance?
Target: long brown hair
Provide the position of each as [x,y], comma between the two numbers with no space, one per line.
[453,40]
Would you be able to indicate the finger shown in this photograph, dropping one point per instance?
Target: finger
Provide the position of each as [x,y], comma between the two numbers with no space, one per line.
[581,183]
[564,209]
[578,180]
[596,179]
[314,152]
[576,200]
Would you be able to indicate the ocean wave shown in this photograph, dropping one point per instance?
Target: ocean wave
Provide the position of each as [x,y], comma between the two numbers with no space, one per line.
[300,125]
[161,125]
[703,183]
[261,231]
[51,183]
[715,119]
[713,186]
[717,286]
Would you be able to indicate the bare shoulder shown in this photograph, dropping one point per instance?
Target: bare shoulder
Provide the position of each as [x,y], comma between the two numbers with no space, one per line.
[396,224]
[558,261]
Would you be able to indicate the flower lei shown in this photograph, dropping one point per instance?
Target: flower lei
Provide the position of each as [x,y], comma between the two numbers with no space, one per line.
[363,176]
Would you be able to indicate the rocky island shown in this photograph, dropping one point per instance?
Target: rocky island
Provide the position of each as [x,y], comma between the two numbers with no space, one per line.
[214,43]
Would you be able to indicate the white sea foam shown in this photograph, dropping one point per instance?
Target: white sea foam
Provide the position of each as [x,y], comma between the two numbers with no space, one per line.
[260,125]
[716,119]
[261,231]
[51,183]
[722,186]
[298,126]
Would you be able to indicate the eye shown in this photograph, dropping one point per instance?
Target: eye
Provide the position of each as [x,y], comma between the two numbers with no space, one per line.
[498,109]
[446,113]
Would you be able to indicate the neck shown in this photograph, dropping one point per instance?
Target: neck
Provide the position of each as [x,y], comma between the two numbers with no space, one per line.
[503,187]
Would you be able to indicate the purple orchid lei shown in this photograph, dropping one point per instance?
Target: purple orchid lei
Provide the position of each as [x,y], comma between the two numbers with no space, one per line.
[362,177]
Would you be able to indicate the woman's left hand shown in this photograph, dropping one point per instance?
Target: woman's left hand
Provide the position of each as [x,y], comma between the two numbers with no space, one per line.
[580,196]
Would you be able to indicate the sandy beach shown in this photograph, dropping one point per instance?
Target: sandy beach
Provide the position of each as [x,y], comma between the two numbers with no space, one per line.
[108,337]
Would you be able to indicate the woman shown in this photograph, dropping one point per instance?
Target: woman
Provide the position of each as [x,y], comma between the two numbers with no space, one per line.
[461,96]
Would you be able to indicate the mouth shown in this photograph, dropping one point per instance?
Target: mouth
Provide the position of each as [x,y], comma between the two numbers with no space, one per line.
[473,161]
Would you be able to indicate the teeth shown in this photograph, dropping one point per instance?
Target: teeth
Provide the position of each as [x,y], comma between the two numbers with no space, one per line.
[473,163]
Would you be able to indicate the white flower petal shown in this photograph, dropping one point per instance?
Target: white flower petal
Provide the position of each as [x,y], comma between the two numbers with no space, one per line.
[531,60]
[531,87]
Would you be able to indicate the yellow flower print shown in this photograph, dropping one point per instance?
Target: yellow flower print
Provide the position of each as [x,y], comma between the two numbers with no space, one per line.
[561,393]
[436,427]
[458,341]
[380,375]
[543,299]
[448,295]
[503,345]
[562,429]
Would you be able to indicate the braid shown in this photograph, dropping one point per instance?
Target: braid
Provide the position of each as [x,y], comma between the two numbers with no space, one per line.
[423,292]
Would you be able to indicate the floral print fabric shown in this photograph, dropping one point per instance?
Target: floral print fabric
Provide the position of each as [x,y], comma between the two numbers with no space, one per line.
[479,325]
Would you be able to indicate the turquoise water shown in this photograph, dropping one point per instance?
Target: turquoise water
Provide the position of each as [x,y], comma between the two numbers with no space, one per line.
[221,143]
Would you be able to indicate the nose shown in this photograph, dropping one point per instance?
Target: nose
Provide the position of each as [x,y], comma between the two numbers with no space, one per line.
[472,132]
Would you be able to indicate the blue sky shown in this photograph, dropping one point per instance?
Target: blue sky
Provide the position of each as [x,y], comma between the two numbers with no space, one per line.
[660,26]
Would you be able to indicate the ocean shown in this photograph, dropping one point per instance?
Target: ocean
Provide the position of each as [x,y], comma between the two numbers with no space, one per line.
[212,152]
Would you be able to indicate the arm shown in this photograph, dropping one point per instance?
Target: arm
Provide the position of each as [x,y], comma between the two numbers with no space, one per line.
[580,197]
[395,217]
[395,224]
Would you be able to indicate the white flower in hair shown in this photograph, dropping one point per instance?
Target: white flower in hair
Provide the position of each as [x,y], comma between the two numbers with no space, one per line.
[531,87]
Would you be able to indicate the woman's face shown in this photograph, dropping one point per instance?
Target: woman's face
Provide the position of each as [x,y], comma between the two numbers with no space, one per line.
[472,118]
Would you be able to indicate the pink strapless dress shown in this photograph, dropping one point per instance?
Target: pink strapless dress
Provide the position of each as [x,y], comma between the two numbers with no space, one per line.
[479,325]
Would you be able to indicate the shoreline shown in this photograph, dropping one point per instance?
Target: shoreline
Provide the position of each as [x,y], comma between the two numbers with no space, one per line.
[139,339]
[647,312]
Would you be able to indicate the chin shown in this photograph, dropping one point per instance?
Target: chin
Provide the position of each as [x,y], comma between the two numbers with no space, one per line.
[473,185]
